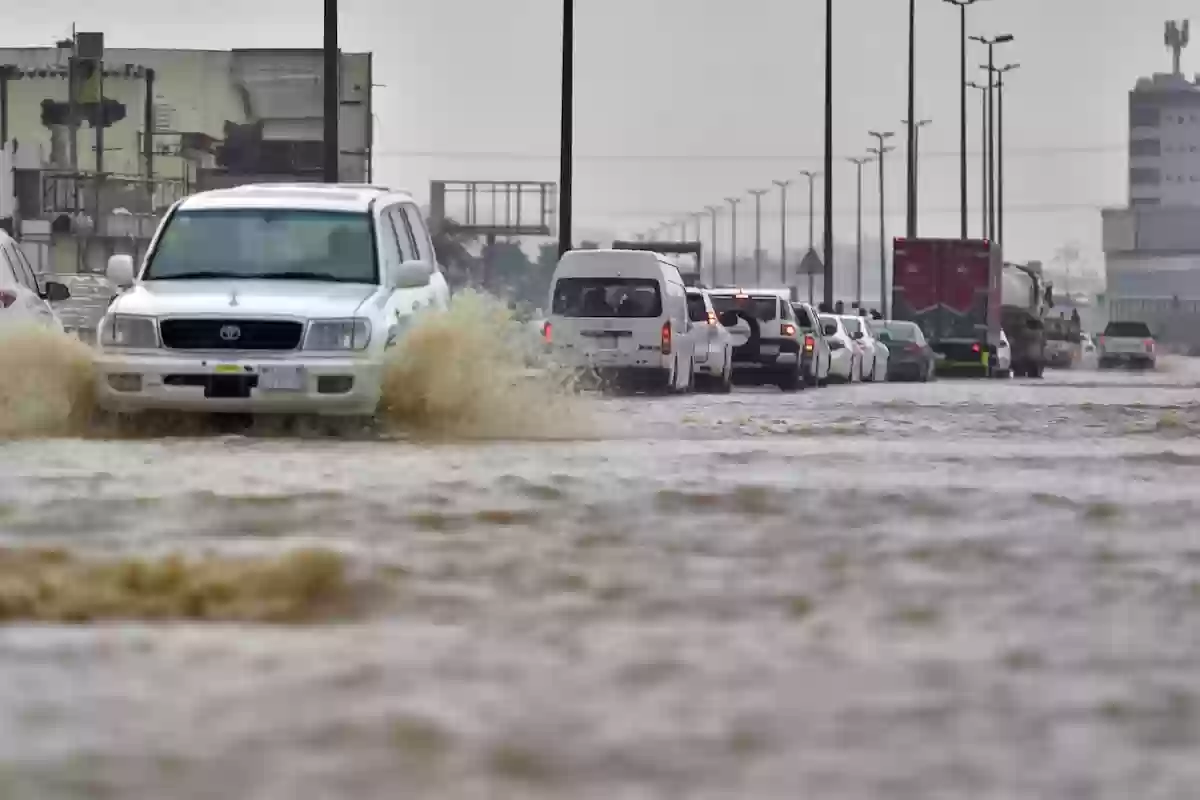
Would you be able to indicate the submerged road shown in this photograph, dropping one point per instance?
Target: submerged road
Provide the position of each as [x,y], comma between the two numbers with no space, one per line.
[963,589]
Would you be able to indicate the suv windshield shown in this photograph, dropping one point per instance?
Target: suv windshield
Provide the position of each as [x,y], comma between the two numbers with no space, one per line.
[1133,330]
[764,309]
[607,297]
[266,243]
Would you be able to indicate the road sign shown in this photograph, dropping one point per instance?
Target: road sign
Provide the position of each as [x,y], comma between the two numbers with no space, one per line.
[811,264]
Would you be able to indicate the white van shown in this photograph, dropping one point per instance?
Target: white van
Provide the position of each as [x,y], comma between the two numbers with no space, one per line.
[623,314]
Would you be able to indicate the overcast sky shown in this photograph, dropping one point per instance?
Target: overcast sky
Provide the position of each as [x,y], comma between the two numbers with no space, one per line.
[681,103]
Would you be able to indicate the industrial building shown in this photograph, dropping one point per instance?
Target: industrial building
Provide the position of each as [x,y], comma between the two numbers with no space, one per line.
[89,172]
[1152,246]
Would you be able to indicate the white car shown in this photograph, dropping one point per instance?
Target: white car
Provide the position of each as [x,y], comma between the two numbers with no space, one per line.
[1003,366]
[23,301]
[845,362]
[622,316]
[767,341]
[267,298]
[874,352]
[714,345]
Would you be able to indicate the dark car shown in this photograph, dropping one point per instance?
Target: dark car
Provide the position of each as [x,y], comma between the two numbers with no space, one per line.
[910,356]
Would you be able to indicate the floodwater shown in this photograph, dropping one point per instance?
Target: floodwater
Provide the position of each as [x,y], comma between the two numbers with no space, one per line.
[957,590]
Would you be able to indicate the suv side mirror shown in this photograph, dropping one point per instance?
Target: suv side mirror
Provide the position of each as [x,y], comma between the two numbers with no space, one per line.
[409,275]
[120,270]
[729,319]
[56,292]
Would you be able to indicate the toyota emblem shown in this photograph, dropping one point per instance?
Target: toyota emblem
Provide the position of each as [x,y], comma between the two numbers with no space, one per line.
[230,333]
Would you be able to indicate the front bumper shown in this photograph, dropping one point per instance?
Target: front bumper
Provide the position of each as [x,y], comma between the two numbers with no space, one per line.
[237,382]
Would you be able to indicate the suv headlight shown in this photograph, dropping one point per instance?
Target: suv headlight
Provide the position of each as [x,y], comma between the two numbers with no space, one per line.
[125,330]
[338,334]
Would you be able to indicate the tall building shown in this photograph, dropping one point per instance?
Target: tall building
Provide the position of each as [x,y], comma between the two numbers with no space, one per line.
[1152,246]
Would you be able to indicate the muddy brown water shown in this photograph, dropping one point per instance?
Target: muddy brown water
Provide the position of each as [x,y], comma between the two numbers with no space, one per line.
[962,589]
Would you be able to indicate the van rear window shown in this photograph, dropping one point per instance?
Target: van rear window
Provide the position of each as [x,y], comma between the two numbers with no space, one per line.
[607,297]
[764,309]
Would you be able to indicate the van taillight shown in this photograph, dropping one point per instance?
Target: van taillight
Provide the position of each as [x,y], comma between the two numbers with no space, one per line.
[666,339]
[546,332]
[975,348]
[808,344]
[712,318]
[789,329]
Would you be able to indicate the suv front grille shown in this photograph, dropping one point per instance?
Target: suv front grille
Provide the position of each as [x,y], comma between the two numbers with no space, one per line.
[231,334]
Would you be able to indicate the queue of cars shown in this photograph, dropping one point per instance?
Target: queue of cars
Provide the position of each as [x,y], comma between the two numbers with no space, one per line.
[627,319]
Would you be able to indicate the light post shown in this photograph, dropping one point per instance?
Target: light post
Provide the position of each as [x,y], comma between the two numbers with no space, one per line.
[984,137]
[911,160]
[712,259]
[858,279]
[880,152]
[733,204]
[332,101]
[812,177]
[991,116]
[1000,73]
[783,187]
[827,276]
[757,195]
[566,132]
[914,175]
[962,155]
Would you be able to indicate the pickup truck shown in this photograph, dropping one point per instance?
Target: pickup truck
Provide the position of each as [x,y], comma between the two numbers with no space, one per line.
[1128,343]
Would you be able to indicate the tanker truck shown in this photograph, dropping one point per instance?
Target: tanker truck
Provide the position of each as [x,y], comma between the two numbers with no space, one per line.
[1025,299]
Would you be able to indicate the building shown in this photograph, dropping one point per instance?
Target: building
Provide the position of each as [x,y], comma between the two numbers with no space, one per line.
[155,125]
[1152,246]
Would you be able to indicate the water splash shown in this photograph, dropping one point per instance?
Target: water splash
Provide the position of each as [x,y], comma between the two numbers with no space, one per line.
[45,383]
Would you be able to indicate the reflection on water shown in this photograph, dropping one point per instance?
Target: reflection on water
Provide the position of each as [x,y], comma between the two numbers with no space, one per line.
[962,589]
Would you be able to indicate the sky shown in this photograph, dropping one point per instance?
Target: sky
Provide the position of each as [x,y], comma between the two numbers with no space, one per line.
[680,104]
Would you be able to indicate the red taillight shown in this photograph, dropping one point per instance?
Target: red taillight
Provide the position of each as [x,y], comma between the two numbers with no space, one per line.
[913,347]
[789,329]
[7,299]
[809,343]
[1149,344]
[547,333]
[975,348]
[666,339]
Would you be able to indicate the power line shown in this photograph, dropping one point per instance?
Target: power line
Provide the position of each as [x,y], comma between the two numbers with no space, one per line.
[509,155]
[1035,208]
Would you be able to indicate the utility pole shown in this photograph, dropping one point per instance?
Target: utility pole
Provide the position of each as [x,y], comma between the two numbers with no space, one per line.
[827,277]
[812,177]
[962,144]
[332,93]
[757,195]
[880,152]
[733,204]
[858,276]
[911,166]
[915,185]
[1000,72]
[783,187]
[984,138]
[712,259]
[991,118]
[566,132]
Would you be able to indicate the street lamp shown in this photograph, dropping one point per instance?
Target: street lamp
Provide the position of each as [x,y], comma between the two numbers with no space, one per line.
[827,276]
[783,187]
[991,156]
[858,163]
[880,152]
[812,176]
[332,84]
[984,138]
[962,155]
[914,173]
[733,204]
[1000,73]
[712,259]
[566,133]
[757,195]
[911,160]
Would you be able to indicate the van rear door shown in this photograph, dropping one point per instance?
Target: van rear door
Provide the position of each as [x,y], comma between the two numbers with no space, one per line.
[612,318]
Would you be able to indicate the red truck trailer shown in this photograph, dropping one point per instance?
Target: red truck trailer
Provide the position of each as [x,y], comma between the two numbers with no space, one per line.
[952,289]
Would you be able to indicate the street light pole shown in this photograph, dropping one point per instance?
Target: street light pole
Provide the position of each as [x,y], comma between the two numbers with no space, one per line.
[880,152]
[984,138]
[332,95]
[566,132]
[915,185]
[712,259]
[757,195]
[783,187]
[858,275]
[962,153]
[812,177]
[827,276]
[1000,72]
[991,118]
[733,204]
[911,227]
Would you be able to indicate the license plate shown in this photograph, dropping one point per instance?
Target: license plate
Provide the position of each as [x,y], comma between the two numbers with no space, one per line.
[769,349]
[227,369]
[607,342]
[281,379]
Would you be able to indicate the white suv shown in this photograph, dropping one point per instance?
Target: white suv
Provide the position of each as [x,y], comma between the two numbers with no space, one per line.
[766,338]
[272,298]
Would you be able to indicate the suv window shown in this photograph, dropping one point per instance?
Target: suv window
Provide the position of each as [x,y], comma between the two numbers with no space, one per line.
[764,309]
[805,318]
[697,310]
[420,234]
[404,234]
[1132,330]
